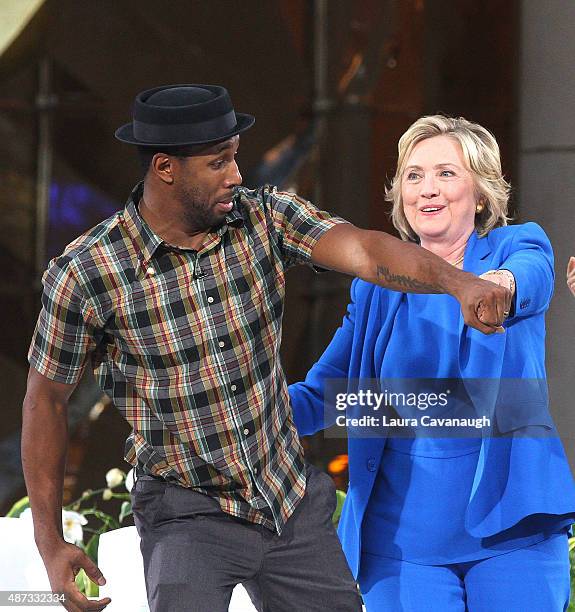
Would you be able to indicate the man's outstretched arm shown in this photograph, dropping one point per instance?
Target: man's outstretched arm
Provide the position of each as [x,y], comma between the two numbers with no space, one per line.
[44,446]
[380,258]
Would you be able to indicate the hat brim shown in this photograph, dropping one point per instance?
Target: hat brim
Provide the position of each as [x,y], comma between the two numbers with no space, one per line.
[126,134]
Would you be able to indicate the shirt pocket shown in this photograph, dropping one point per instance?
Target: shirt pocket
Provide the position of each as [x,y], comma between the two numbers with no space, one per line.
[256,285]
[158,325]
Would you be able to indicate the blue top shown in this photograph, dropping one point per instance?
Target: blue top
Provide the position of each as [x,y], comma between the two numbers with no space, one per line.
[517,476]
[416,510]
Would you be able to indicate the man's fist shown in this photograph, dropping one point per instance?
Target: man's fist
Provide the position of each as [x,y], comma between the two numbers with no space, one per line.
[484,304]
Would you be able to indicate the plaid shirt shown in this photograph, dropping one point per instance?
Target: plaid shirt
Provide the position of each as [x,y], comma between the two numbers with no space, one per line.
[186,343]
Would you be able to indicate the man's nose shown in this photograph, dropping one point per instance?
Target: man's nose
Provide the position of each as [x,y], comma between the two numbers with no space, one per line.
[234,177]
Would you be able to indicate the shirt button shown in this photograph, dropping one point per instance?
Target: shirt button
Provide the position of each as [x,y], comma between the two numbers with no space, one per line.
[371,464]
[221,344]
[210,300]
[233,387]
[246,431]
[150,270]
[255,470]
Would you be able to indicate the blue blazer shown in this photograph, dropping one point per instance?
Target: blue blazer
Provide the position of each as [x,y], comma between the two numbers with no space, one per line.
[516,475]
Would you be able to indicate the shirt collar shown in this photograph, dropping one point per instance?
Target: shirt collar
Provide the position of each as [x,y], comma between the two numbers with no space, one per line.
[146,240]
[235,217]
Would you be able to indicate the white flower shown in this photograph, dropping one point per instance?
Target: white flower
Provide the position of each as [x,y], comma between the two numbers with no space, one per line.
[72,526]
[129,480]
[107,494]
[114,477]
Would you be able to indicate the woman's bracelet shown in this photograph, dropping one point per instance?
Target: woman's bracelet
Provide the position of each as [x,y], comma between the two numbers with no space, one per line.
[507,275]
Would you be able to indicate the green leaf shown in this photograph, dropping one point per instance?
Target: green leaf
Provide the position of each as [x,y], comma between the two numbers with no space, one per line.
[571,607]
[85,585]
[125,511]
[121,496]
[92,589]
[109,522]
[92,548]
[81,581]
[340,496]
[18,508]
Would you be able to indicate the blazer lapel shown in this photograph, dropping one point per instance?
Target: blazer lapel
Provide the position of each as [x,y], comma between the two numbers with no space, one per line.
[477,260]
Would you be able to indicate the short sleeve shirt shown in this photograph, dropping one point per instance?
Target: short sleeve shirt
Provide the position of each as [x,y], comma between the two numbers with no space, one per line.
[186,343]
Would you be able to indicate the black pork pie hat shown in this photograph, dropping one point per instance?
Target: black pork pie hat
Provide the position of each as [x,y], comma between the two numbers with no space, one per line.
[179,115]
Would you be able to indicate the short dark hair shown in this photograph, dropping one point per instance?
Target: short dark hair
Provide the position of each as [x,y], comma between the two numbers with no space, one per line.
[146,154]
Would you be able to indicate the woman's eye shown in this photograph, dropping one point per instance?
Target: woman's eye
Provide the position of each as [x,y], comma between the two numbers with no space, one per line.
[412,176]
[447,173]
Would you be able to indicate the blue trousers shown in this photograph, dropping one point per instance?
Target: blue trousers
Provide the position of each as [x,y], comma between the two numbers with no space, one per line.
[535,578]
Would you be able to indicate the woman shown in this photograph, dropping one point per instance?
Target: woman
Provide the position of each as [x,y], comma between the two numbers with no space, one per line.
[475,522]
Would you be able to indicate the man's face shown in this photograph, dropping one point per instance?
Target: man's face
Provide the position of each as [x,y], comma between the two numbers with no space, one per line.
[204,183]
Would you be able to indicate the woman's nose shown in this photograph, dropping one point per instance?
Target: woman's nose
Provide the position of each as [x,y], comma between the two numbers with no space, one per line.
[429,187]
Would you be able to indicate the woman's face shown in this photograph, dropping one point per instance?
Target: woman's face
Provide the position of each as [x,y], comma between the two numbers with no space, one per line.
[438,192]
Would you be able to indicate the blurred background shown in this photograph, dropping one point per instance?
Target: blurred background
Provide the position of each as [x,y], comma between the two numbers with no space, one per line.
[333,84]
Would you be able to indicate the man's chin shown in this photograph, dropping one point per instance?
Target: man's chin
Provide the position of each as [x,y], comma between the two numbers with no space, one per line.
[217,220]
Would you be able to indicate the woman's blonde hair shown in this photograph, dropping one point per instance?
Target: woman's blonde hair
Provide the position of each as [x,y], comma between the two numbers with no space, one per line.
[481,152]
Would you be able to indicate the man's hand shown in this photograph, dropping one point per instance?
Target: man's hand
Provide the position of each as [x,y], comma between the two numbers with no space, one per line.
[571,275]
[484,304]
[63,561]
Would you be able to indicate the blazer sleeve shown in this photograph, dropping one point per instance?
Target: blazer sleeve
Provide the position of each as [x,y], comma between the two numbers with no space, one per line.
[310,411]
[530,260]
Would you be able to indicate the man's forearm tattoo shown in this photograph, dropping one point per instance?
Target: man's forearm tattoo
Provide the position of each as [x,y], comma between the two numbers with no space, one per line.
[406,282]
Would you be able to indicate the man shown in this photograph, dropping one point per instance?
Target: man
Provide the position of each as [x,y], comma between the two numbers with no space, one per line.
[177,303]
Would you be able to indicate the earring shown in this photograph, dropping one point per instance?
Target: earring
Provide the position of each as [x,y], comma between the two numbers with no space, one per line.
[479,208]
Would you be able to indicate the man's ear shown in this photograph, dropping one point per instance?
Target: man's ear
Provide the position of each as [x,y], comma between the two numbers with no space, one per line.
[162,166]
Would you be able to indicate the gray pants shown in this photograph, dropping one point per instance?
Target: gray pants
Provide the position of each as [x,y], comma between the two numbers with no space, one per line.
[195,554]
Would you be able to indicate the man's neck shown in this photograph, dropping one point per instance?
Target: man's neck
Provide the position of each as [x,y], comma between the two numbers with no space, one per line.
[170,225]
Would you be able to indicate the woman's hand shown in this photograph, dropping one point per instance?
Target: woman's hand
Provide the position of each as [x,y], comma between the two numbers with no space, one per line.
[571,275]
[503,278]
